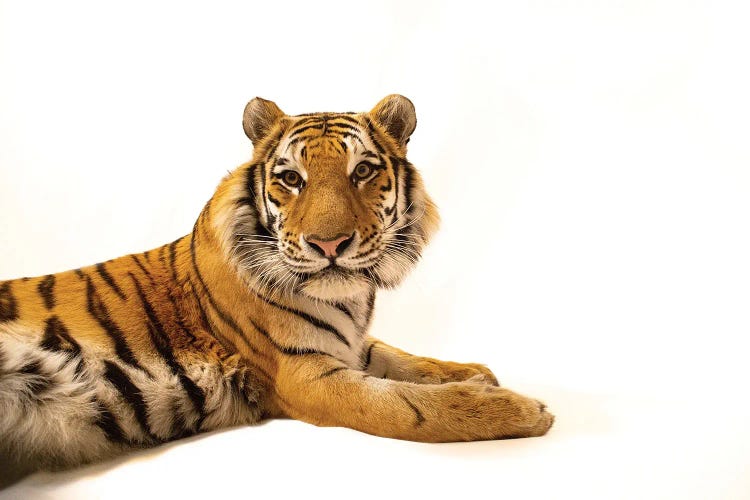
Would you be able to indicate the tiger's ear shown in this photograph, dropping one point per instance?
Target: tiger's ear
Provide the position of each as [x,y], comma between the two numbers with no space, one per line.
[396,114]
[259,116]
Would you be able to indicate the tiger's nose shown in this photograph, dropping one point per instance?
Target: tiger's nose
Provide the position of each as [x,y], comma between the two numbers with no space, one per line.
[331,247]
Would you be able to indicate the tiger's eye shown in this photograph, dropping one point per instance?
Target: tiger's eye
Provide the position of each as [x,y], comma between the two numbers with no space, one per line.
[363,170]
[292,178]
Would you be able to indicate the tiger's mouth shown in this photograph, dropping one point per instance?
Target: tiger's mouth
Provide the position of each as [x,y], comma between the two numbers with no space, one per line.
[334,282]
[332,271]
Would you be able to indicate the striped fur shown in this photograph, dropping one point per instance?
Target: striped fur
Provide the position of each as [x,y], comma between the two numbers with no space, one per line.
[247,317]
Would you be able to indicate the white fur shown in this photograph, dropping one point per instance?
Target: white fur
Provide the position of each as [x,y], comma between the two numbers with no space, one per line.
[51,428]
[55,426]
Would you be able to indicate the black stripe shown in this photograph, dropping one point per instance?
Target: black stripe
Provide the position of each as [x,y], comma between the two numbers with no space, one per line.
[368,356]
[380,216]
[107,422]
[79,273]
[30,368]
[109,280]
[80,365]
[389,211]
[331,372]
[307,317]
[372,132]
[130,393]
[38,381]
[298,131]
[396,165]
[274,200]
[294,141]
[99,311]
[388,186]
[251,188]
[344,309]
[291,351]
[309,118]
[345,116]
[161,341]
[273,144]
[272,221]
[417,413]
[246,341]
[347,119]
[343,126]
[262,194]
[46,289]
[162,259]
[172,258]
[54,331]
[8,304]
[347,135]
[140,266]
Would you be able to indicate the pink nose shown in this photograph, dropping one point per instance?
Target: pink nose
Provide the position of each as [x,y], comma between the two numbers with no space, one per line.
[329,248]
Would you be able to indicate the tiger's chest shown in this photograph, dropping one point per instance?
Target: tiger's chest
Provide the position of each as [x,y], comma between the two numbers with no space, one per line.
[337,329]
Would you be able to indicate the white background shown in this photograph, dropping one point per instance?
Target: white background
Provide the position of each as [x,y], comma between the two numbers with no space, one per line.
[591,164]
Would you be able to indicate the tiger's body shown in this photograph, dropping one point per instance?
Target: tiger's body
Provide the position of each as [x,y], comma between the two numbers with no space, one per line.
[261,312]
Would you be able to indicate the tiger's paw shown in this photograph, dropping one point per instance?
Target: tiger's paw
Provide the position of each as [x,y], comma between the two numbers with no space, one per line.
[543,424]
[485,412]
[535,417]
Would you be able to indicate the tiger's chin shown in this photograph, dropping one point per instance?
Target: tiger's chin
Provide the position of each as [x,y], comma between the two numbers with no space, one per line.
[335,285]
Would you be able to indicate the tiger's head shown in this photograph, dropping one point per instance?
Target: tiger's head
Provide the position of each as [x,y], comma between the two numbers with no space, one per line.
[329,206]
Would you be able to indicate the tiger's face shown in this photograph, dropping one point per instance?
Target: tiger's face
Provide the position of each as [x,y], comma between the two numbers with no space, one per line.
[335,207]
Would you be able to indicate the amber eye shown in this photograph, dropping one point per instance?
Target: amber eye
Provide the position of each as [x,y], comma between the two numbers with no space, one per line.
[292,179]
[362,171]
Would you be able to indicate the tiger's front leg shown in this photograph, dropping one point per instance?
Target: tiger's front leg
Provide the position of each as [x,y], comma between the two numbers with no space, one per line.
[323,391]
[384,361]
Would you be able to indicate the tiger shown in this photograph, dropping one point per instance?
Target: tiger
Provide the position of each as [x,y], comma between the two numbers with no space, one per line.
[262,311]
